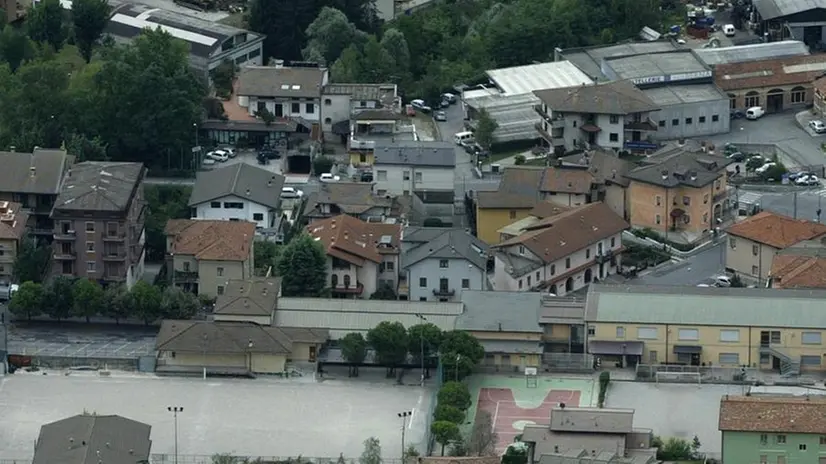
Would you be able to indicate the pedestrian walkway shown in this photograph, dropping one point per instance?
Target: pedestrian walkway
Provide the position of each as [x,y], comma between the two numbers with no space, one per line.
[814,193]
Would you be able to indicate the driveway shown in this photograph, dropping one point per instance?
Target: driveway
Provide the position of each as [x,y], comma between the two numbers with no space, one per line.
[700,268]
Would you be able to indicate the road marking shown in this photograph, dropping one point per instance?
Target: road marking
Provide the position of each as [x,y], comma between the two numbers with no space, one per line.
[495,415]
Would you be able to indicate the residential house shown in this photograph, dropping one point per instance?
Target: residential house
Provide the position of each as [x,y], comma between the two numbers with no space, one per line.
[33,180]
[610,115]
[679,193]
[608,171]
[361,256]
[512,339]
[584,435]
[285,92]
[563,330]
[356,199]
[403,168]
[92,439]
[12,230]
[240,192]
[777,330]
[245,348]
[341,101]
[541,211]
[99,218]
[368,128]
[754,242]
[799,266]
[772,429]
[561,253]
[251,300]
[204,255]
[439,264]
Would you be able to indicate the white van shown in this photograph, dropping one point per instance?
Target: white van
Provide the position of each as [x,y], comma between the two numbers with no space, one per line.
[755,112]
[462,137]
[729,30]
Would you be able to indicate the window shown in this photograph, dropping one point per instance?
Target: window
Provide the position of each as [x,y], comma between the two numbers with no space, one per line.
[553,269]
[520,284]
[220,271]
[327,102]
[296,107]
[310,107]
[406,175]
[823,440]
[406,193]
[729,335]
[90,247]
[587,253]
[755,250]
[730,358]
[657,219]
[620,332]
[675,122]
[659,200]
[220,290]
[240,59]
[363,104]
[422,282]
[614,119]
[705,199]
[661,123]
[443,263]
[705,218]
[652,356]
[732,243]
[512,214]
[215,204]
[233,205]
[381,175]
[90,227]
[647,333]
[334,280]
[613,137]
[763,440]
[257,216]
[755,270]
[529,281]
[810,360]
[686,201]
[186,267]
[801,447]
[254,54]
[537,276]
[613,242]
[422,298]
[418,177]
[781,439]
[592,330]
[688,334]
[688,121]
[752,99]
[521,250]
[465,283]
[567,263]
[702,120]
[798,95]
[90,266]
[389,266]
[811,338]
[715,117]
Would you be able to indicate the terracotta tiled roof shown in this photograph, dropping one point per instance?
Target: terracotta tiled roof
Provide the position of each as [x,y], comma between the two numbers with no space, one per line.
[559,236]
[769,73]
[211,240]
[354,240]
[12,220]
[773,414]
[776,231]
[545,209]
[562,180]
[820,85]
[493,200]
[796,270]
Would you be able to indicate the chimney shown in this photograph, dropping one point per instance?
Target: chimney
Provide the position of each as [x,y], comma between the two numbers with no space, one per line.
[32,171]
[264,292]
[664,174]
[248,192]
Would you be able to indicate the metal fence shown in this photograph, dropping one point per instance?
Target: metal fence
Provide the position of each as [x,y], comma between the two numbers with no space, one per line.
[82,350]
[438,381]
[711,374]
[568,362]
[227,459]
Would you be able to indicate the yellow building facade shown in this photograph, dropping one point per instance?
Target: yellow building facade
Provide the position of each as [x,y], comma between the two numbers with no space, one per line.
[490,220]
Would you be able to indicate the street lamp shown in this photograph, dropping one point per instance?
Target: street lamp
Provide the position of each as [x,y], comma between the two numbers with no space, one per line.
[249,354]
[421,340]
[206,341]
[404,415]
[175,410]
[458,357]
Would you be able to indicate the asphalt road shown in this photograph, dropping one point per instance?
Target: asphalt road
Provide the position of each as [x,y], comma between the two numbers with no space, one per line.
[464,178]
[700,268]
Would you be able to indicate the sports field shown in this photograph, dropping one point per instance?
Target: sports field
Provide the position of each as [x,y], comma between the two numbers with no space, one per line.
[513,404]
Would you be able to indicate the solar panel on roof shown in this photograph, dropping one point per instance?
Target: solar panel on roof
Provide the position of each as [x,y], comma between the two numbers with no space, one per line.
[386,240]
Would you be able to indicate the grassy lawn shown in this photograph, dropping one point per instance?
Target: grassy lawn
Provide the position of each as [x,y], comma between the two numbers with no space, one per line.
[499,156]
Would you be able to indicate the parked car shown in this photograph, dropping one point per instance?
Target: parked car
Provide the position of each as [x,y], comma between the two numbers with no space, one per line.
[737,156]
[229,151]
[818,126]
[420,105]
[809,179]
[208,162]
[798,175]
[440,116]
[729,30]
[722,281]
[291,192]
[328,177]
[269,153]
[367,176]
[218,155]
[762,169]
[737,114]
[449,97]
[755,112]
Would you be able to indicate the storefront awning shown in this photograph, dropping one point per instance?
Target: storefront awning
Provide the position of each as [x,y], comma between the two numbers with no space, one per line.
[688,349]
[619,347]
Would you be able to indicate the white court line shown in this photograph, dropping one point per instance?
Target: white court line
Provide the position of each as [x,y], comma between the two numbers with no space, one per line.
[60,350]
[83,348]
[39,349]
[412,415]
[124,345]
[495,415]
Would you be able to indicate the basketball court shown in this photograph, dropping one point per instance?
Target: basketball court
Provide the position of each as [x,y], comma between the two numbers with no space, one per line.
[516,401]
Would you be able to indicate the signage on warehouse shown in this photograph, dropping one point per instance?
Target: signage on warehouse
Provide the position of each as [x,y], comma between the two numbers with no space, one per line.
[672,78]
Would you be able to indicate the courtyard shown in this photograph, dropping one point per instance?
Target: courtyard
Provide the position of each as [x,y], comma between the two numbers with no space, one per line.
[262,417]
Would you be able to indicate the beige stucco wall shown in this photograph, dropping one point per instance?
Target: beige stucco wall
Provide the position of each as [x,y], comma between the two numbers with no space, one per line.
[209,280]
[9,248]
[566,199]
[644,209]
[748,258]
[267,363]
[199,360]
[617,199]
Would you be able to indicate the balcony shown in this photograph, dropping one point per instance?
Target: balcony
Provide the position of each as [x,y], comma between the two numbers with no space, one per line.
[43,231]
[350,290]
[719,197]
[366,145]
[185,276]
[115,256]
[644,125]
[114,237]
[442,292]
[114,278]
[64,235]
[541,112]
[553,140]
[64,255]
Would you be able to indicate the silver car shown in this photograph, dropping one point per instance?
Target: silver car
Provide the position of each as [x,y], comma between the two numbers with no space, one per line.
[818,126]
[440,116]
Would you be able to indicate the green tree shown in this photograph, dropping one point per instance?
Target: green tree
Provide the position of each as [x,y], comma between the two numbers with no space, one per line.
[423,337]
[89,19]
[673,449]
[145,302]
[519,160]
[394,42]
[753,163]
[87,298]
[15,47]
[485,127]
[377,64]
[460,352]
[384,292]
[85,149]
[303,268]
[164,202]
[265,116]
[353,350]
[516,453]
[32,261]
[454,394]
[328,35]
[27,301]
[58,297]
[283,22]
[483,436]
[116,302]
[444,432]
[178,304]
[372,451]
[322,165]
[389,342]
[266,255]
[446,412]
[348,67]
[695,447]
[44,23]
[222,78]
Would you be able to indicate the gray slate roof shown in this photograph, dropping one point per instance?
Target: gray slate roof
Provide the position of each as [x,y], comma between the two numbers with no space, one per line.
[679,167]
[619,97]
[241,180]
[500,311]
[753,52]
[100,186]
[92,439]
[18,177]
[269,81]
[416,153]
[770,9]
[233,337]
[681,305]
[350,197]
[449,244]
[254,297]
[511,346]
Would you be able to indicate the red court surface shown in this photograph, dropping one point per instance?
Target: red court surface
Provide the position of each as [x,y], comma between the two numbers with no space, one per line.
[507,415]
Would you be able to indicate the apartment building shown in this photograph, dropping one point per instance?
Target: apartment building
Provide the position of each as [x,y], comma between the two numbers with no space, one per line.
[754,242]
[561,253]
[776,330]
[773,429]
[357,199]
[361,256]
[33,180]
[679,192]
[285,92]
[203,256]
[403,168]
[12,230]
[99,218]
[370,130]
[343,101]
[610,115]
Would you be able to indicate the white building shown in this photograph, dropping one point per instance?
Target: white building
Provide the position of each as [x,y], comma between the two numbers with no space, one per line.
[286,92]
[402,168]
[561,253]
[341,101]
[240,192]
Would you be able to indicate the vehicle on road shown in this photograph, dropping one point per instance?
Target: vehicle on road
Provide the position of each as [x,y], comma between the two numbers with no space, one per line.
[444,104]
[208,162]
[737,114]
[818,126]
[722,281]
[440,116]
[703,285]
[755,112]
[420,105]
[328,177]
[807,180]
[218,155]
[291,192]
[463,137]
[729,30]
[449,97]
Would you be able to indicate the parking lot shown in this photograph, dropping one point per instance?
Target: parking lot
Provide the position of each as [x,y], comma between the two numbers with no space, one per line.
[86,342]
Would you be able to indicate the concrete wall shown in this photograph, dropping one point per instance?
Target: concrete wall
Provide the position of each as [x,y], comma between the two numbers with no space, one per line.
[216,210]
[61,362]
[209,279]
[244,54]
[566,199]
[334,108]
[741,101]
[748,258]
[747,447]
[8,248]
[392,180]
[456,272]
[693,112]
[616,198]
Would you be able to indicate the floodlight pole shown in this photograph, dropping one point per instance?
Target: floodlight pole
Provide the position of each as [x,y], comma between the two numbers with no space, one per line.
[175,410]
[404,415]
[421,340]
